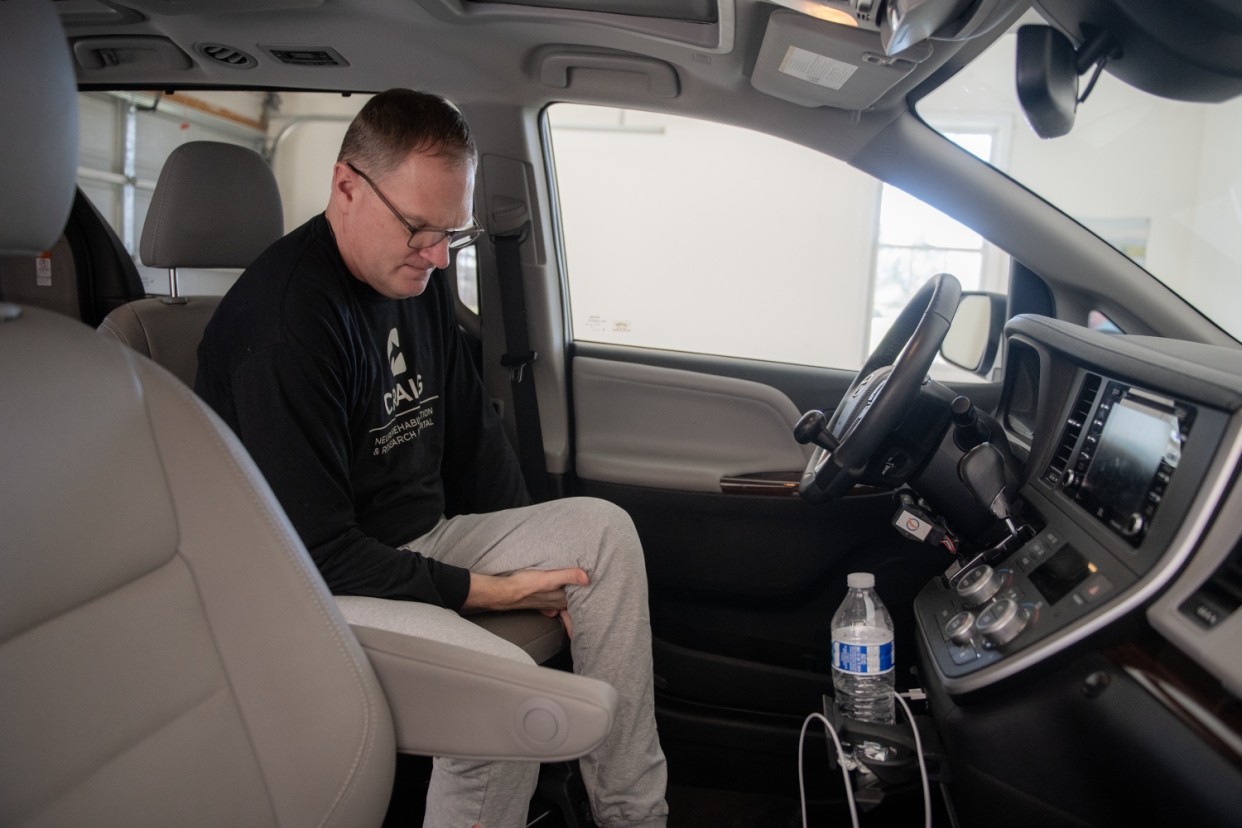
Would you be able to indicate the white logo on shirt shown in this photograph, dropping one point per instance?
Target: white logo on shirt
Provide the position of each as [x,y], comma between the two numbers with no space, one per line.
[395,358]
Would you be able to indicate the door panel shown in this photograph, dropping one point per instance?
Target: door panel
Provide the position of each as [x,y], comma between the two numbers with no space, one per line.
[662,427]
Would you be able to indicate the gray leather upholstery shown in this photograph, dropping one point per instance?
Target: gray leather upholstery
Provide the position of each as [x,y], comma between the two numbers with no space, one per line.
[39,127]
[19,281]
[215,205]
[165,330]
[168,652]
[500,708]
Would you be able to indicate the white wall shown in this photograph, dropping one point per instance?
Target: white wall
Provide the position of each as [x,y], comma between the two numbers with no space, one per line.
[303,163]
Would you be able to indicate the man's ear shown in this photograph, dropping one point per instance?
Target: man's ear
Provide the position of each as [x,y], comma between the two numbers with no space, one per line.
[344,185]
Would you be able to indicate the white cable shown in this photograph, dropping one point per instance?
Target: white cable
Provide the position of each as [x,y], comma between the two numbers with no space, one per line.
[849,788]
[918,745]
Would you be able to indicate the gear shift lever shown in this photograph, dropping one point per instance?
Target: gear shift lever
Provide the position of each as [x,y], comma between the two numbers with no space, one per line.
[983,472]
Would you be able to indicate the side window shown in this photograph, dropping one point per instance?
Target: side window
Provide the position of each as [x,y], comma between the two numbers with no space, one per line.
[466,262]
[688,235]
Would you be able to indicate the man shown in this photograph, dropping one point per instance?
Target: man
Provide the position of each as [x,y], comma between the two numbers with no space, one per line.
[337,359]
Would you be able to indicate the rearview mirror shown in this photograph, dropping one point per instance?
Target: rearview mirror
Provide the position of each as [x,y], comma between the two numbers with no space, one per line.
[1047,76]
[974,337]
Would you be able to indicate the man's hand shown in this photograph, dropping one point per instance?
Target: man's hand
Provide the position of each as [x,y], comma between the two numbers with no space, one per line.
[543,590]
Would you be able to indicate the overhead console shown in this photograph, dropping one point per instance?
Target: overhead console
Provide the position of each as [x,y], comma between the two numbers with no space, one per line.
[1132,444]
[849,53]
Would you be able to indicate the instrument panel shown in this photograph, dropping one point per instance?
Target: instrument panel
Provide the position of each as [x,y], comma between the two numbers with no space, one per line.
[1129,453]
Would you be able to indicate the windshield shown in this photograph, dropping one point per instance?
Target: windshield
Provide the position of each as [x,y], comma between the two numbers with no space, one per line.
[1159,180]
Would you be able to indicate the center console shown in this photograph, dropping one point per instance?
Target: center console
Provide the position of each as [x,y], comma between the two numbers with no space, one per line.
[1107,504]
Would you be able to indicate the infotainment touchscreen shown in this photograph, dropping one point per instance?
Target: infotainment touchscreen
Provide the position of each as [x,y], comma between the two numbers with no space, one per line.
[1132,448]
[1135,440]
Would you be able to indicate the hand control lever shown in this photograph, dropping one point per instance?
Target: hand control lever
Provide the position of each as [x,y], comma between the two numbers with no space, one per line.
[813,428]
[983,472]
[968,431]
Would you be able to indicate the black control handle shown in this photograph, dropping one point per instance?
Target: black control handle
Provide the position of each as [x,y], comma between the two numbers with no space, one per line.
[813,428]
[968,431]
[983,472]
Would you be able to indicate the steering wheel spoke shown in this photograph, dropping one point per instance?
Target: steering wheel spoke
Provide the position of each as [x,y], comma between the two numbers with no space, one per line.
[880,395]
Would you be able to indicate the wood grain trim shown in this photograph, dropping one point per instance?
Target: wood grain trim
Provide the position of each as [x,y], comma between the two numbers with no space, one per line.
[778,484]
[190,102]
[1187,690]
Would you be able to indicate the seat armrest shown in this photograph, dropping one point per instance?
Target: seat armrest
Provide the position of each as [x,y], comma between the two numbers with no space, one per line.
[450,701]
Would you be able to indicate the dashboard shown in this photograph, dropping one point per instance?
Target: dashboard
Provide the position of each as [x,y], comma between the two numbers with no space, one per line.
[1130,448]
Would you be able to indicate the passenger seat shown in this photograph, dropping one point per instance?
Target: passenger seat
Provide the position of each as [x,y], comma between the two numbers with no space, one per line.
[215,206]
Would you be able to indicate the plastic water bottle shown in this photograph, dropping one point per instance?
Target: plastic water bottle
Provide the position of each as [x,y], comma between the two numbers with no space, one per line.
[862,654]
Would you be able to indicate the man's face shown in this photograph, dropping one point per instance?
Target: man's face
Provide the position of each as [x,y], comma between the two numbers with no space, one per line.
[429,191]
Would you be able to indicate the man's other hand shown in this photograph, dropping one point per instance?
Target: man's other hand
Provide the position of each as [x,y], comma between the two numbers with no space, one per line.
[543,590]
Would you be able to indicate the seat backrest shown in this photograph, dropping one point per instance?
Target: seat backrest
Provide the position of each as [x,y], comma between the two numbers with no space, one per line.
[85,275]
[168,653]
[166,330]
[215,205]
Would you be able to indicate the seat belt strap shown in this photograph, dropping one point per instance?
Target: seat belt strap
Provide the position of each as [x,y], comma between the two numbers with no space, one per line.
[517,360]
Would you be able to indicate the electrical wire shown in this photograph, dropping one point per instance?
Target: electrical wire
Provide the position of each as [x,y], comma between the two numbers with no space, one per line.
[918,746]
[841,760]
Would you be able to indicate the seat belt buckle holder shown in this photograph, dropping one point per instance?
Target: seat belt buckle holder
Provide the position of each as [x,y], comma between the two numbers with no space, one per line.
[517,364]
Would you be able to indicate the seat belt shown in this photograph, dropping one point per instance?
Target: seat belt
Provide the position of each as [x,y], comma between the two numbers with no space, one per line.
[518,358]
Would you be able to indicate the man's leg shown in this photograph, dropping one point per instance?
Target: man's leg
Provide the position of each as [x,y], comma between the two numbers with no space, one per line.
[626,777]
[463,792]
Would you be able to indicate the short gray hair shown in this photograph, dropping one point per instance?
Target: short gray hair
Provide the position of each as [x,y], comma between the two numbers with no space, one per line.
[398,122]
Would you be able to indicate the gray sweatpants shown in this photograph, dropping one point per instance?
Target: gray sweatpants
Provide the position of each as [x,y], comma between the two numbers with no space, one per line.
[626,776]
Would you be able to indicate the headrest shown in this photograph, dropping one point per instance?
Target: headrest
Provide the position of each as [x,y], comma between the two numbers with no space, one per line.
[215,205]
[39,127]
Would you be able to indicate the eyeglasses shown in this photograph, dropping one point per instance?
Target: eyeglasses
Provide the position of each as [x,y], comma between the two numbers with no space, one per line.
[420,237]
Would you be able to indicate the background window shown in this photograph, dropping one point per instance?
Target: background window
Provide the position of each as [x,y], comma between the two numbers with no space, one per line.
[694,236]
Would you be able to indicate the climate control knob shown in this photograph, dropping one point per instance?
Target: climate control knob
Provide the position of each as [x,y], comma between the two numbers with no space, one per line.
[1000,623]
[978,585]
[961,627]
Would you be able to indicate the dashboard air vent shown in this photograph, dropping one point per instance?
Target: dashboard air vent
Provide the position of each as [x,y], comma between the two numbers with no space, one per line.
[1073,428]
[1220,595]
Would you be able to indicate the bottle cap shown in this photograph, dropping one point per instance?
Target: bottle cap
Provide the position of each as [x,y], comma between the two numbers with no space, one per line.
[861,580]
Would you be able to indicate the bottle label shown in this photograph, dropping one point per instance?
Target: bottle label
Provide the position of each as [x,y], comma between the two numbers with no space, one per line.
[862,659]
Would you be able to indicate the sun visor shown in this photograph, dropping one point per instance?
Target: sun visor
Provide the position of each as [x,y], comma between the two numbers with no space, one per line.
[816,63]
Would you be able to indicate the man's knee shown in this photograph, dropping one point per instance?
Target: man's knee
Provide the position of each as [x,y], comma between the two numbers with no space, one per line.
[598,514]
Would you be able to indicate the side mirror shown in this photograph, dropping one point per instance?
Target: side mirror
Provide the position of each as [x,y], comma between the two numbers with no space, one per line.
[1047,75]
[974,337]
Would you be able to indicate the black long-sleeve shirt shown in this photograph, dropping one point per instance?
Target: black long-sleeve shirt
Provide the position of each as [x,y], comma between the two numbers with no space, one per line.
[364,413]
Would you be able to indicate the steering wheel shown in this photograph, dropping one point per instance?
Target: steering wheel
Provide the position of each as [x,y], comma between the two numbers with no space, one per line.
[880,395]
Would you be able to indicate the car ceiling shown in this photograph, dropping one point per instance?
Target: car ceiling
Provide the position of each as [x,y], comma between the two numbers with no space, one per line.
[478,53]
